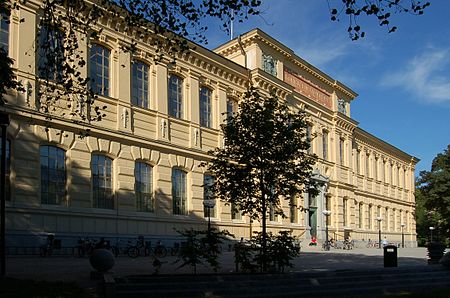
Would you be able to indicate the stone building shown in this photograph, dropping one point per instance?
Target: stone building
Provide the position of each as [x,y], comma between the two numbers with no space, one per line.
[137,173]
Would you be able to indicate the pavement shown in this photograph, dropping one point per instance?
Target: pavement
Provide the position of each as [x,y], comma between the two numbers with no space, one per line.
[311,259]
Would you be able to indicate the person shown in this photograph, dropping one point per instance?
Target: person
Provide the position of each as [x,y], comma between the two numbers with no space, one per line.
[384,242]
[313,241]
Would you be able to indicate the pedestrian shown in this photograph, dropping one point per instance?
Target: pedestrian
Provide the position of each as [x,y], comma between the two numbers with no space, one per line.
[384,242]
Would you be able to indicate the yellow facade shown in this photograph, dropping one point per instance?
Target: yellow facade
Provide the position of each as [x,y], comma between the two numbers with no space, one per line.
[364,177]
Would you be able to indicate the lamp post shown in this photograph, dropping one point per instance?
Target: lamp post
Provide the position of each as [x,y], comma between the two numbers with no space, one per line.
[4,122]
[326,213]
[379,219]
[208,205]
[403,235]
[431,234]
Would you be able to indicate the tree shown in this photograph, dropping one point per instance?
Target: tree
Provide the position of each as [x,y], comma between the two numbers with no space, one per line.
[264,158]
[433,196]
[381,10]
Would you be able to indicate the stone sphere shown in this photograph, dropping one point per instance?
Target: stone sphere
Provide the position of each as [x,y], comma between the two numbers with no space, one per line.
[102,260]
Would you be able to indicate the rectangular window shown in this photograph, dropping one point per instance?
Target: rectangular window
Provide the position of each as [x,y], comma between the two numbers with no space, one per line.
[367,165]
[8,167]
[370,220]
[53,175]
[99,69]
[358,162]
[231,108]
[325,145]
[101,168]
[205,107]
[51,54]
[341,151]
[143,187]
[344,212]
[235,213]
[361,216]
[209,205]
[4,33]
[139,81]
[293,210]
[175,96]
[375,168]
[309,138]
[272,216]
[179,192]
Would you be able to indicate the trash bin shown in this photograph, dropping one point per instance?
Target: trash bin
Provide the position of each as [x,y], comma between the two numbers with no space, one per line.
[390,256]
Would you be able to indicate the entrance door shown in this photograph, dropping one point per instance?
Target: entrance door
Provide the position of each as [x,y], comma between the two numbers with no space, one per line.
[313,221]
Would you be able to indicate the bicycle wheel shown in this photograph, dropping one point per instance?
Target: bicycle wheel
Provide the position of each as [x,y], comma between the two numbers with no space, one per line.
[133,252]
[160,251]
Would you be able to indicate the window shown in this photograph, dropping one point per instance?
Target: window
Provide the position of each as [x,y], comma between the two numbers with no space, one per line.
[4,32]
[325,145]
[309,138]
[293,210]
[361,215]
[344,212]
[175,96]
[231,108]
[53,175]
[370,217]
[179,192]
[8,167]
[143,187]
[272,216]
[99,69]
[358,162]
[101,168]
[367,165]
[341,151]
[51,54]
[205,107]
[208,195]
[375,168]
[235,212]
[139,82]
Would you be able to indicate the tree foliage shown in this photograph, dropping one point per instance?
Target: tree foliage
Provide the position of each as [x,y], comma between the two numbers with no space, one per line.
[381,10]
[264,155]
[433,196]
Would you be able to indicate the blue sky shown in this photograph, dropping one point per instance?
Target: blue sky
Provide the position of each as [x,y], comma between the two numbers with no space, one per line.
[402,78]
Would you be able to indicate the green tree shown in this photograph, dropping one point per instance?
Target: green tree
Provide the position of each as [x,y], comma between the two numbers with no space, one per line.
[264,158]
[433,197]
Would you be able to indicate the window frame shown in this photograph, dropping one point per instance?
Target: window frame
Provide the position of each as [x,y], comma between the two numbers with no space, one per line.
[101,87]
[102,199]
[50,59]
[325,145]
[207,195]
[175,97]
[59,183]
[145,200]
[140,91]
[4,32]
[205,109]
[179,192]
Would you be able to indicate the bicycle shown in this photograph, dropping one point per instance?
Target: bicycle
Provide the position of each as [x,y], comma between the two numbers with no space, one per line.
[133,251]
[47,248]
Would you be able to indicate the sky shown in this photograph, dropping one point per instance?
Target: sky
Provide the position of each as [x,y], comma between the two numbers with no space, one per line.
[402,78]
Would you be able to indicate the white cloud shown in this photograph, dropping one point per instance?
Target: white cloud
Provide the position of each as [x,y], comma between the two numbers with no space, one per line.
[425,76]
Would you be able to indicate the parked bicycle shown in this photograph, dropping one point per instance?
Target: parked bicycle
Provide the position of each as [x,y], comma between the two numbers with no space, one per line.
[145,248]
[85,246]
[47,249]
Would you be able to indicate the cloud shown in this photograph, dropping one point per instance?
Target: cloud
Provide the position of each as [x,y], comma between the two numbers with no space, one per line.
[424,76]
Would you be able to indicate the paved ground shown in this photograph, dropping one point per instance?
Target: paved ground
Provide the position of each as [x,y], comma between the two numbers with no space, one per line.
[310,259]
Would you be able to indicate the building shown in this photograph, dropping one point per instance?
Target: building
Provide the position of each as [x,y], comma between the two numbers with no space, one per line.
[137,173]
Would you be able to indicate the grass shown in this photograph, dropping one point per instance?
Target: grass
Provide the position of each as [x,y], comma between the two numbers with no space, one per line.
[12,287]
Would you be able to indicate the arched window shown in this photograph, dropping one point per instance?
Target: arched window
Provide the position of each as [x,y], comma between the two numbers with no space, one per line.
[99,69]
[4,33]
[50,54]
[179,192]
[175,96]
[53,175]
[208,196]
[205,107]
[102,192]
[143,187]
[8,167]
[139,82]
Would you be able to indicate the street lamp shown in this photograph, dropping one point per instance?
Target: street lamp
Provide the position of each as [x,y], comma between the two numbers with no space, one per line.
[208,205]
[403,235]
[431,234]
[379,230]
[326,213]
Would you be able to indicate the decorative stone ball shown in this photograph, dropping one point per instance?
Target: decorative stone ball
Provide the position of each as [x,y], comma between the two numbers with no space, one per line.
[102,260]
